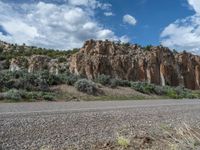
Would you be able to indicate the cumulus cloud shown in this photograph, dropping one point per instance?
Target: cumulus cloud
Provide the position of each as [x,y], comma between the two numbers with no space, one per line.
[184,34]
[90,3]
[195,4]
[108,14]
[52,25]
[129,19]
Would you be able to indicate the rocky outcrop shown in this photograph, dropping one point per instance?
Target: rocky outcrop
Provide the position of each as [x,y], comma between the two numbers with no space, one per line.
[35,58]
[156,65]
[18,63]
[189,68]
[37,63]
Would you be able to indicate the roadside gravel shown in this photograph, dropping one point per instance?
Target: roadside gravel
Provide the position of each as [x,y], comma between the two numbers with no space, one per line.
[81,129]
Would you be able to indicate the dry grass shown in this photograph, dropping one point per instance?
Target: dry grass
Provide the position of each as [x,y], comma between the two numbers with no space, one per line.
[183,138]
[46,148]
[69,93]
[178,138]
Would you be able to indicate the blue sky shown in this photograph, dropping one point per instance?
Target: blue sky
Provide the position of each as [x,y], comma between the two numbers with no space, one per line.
[66,24]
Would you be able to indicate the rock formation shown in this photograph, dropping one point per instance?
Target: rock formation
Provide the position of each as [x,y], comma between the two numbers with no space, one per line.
[17,57]
[156,65]
[18,63]
[37,63]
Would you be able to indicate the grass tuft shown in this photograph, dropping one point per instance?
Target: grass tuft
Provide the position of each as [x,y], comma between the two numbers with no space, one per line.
[183,138]
[123,142]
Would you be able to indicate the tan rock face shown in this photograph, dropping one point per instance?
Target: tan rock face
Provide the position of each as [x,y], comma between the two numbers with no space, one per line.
[38,63]
[18,63]
[14,66]
[189,68]
[157,65]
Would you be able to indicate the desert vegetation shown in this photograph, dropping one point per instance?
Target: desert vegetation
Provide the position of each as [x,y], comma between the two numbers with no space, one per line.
[19,83]
[9,51]
[22,85]
[13,50]
[86,86]
[148,88]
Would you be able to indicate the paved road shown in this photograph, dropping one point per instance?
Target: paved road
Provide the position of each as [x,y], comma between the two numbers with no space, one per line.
[52,107]
[60,125]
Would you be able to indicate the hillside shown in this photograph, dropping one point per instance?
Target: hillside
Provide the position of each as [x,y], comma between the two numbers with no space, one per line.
[13,51]
[103,70]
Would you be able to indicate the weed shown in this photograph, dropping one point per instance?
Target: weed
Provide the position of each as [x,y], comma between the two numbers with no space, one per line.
[123,142]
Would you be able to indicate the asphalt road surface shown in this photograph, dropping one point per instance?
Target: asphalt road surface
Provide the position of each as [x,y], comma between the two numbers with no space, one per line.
[61,125]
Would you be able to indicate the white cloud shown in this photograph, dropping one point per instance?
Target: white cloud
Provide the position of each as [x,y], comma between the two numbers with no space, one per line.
[82,2]
[124,39]
[20,27]
[60,26]
[90,3]
[129,19]
[195,5]
[108,14]
[184,34]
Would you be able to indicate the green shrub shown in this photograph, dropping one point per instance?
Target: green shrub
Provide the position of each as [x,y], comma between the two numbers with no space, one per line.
[172,94]
[14,51]
[26,95]
[86,86]
[38,81]
[185,93]
[160,90]
[118,82]
[1,49]
[22,80]
[51,79]
[71,79]
[126,44]
[143,87]
[148,47]
[103,79]
[62,59]
[123,83]
[113,83]
[48,97]
[174,51]
[33,95]
[14,94]
[36,95]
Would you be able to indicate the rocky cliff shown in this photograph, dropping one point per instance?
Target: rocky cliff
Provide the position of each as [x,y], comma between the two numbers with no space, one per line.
[156,65]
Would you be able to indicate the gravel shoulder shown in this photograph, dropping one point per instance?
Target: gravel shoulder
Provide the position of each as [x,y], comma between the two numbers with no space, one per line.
[82,125]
